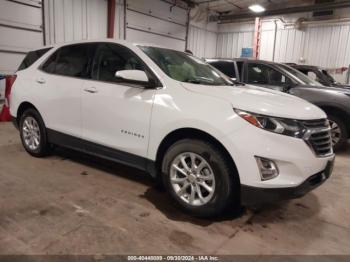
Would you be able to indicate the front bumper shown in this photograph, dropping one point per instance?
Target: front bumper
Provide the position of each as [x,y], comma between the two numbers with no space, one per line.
[294,158]
[253,196]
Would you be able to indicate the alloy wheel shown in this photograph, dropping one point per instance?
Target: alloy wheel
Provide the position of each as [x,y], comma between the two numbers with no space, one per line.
[31,133]
[192,179]
[335,132]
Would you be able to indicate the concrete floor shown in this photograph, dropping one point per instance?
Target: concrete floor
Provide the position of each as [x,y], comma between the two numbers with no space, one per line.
[70,203]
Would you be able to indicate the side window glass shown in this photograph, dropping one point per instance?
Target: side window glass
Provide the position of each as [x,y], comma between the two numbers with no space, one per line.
[71,60]
[276,78]
[50,65]
[265,75]
[258,74]
[228,68]
[111,58]
[303,71]
[32,57]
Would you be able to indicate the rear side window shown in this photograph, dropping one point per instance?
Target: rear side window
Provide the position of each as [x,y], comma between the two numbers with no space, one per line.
[228,68]
[32,57]
[73,60]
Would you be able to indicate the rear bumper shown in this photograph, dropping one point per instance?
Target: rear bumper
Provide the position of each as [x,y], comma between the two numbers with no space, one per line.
[253,196]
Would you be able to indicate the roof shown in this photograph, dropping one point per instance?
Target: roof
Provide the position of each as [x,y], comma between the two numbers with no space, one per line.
[108,40]
[306,66]
[240,59]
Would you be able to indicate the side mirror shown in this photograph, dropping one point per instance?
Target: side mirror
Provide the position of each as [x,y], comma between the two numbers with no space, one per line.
[133,76]
[322,82]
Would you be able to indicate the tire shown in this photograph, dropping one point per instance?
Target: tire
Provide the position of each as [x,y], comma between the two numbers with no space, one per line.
[225,186]
[339,132]
[32,121]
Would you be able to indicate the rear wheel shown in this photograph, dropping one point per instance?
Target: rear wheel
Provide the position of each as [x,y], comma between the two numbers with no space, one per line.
[338,131]
[33,133]
[199,178]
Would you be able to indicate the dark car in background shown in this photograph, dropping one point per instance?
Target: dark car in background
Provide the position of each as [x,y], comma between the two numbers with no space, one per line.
[319,74]
[334,101]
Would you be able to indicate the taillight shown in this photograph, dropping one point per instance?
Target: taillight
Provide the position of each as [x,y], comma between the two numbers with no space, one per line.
[5,112]
[9,83]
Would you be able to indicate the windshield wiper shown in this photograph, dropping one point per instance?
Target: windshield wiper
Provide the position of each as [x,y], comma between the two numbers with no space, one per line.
[193,81]
[202,82]
[237,83]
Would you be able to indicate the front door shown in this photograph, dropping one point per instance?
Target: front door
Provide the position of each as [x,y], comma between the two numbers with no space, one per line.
[116,115]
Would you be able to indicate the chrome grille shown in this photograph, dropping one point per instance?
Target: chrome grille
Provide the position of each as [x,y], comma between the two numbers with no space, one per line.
[320,123]
[318,136]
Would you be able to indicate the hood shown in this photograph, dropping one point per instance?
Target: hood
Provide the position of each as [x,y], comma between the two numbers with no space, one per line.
[261,100]
[339,88]
[346,87]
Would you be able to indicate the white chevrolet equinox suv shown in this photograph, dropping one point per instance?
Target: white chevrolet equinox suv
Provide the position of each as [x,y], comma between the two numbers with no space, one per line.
[214,143]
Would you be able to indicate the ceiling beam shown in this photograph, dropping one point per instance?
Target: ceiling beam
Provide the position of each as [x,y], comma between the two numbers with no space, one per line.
[189,3]
[206,2]
[288,10]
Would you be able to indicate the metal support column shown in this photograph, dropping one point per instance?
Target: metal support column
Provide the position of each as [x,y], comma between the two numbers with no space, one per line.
[111,18]
[257,38]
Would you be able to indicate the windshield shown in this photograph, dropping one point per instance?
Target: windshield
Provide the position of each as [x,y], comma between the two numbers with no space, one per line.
[328,76]
[185,68]
[299,76]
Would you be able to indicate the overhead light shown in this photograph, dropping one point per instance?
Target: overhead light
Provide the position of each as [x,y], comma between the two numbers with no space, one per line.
[257,8]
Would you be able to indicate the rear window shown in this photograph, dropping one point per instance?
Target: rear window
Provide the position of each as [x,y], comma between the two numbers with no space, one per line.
[31,57]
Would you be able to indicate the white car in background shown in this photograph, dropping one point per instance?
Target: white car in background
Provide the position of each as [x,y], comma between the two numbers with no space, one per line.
[215,144]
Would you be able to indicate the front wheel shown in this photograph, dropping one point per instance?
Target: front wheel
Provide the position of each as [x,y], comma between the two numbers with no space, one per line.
[339,132]
[33,133]
[199,178]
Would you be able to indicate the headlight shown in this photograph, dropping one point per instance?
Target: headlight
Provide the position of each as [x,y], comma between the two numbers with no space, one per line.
[283,126]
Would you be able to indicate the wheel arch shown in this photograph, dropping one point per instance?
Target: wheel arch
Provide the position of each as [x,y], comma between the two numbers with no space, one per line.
[336,111]
[23,107]
[185,133]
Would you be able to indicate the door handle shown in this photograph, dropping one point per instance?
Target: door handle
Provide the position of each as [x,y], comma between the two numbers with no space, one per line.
[91,90]
[41,80]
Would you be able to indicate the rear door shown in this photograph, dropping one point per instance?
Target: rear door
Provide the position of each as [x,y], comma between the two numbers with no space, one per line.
[60,81]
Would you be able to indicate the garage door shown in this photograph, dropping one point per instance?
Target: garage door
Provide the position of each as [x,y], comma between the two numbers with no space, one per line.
[157,22]
[20,31]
